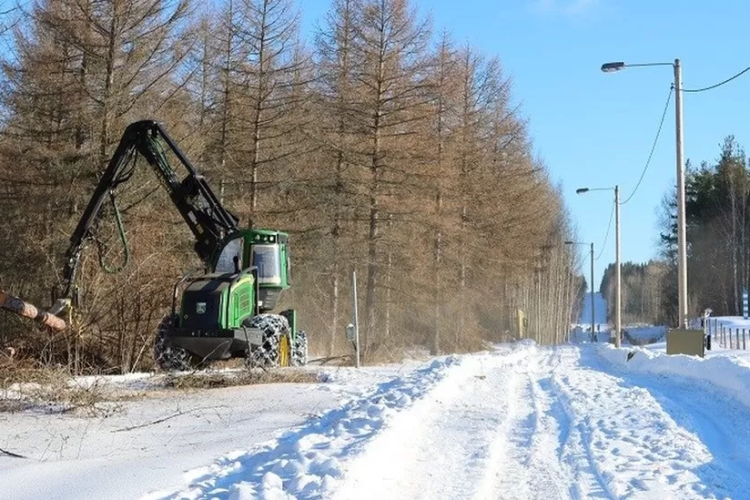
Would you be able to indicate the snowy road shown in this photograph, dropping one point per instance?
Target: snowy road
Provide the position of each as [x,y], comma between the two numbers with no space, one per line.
[521,422]
[551,424]
[493,437]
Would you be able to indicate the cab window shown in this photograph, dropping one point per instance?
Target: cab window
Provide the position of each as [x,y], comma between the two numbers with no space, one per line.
[267,259]
[233,249]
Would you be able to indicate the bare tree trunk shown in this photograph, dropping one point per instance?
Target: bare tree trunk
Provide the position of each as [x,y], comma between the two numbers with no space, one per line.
[108,82]
[372,238]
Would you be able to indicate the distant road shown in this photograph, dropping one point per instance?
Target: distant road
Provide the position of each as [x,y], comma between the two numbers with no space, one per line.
[600,309]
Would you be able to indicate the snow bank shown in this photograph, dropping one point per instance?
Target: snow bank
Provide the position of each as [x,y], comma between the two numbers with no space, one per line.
[305,462]
[731,375]
[641,335]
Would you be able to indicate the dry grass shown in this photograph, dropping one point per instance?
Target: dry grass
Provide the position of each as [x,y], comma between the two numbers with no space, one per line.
[213,380]
[53,390]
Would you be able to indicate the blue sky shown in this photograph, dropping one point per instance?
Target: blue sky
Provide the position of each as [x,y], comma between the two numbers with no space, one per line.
[594,129]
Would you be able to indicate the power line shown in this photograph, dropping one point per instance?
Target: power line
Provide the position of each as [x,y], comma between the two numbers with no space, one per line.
[718,84]
[653,146]
[656,141]
[606,237]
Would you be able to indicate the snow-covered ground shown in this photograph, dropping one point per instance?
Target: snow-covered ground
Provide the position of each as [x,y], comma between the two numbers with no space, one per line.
[147,443]
[519,422]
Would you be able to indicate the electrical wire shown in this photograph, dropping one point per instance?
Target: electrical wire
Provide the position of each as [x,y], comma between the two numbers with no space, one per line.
[606,236]
[653,146]
[718,84]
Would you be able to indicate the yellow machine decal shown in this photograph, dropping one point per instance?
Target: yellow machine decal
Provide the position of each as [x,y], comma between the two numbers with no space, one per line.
[284,353]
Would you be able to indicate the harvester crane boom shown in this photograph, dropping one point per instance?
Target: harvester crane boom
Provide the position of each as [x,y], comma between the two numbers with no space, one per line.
[223,312]
[201,209]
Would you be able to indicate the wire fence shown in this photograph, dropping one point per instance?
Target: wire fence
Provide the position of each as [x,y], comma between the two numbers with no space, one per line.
[727,337]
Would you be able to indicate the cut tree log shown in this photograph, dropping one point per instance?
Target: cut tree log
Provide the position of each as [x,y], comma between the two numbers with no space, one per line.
[18,306]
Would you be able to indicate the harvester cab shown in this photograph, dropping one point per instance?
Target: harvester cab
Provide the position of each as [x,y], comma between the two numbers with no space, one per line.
[223,311]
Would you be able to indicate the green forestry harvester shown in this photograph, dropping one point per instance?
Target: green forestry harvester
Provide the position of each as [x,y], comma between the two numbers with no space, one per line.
[223,311]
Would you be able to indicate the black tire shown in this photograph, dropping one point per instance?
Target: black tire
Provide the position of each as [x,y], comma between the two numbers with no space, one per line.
[273,327]
[299,350]
[168,357]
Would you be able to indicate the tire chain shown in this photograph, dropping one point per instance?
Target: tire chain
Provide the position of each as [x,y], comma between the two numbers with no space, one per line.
[273,327]
[299,352]
[168,357]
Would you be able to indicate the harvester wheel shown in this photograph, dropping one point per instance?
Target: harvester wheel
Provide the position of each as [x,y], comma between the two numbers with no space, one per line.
[168,357]
[273,327]
[299,350]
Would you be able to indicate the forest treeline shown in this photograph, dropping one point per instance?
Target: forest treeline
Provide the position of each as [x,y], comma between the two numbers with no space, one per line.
[717,211]
[643,288]
[380,144]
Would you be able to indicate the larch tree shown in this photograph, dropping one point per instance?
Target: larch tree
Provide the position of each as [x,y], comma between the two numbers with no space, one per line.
[445,88]
[390,58]
[268,31]
[81,71]
[335,51]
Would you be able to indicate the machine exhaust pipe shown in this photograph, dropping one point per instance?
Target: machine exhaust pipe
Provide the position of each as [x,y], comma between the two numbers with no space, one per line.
[18,306]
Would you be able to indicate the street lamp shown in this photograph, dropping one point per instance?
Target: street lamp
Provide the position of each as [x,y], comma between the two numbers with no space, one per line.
[593,314]
[681,231]
[618,275]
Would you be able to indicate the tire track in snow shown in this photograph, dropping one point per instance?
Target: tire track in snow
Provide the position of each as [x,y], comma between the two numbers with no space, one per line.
[635,447]
[722,424]
[584,479]
[304,462]
[520,423]
[505,457]
[575,441]
[527,464]
[429,449]
[496,439]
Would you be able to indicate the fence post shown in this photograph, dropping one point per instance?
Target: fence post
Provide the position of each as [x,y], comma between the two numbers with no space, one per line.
[723,337]
[737,338]
[729,334]
[716,330]
[744,342]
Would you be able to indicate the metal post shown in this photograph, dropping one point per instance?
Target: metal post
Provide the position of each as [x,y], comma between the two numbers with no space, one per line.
[618,282]
[737,338]
[356,318]
[681,228]
[593,313]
